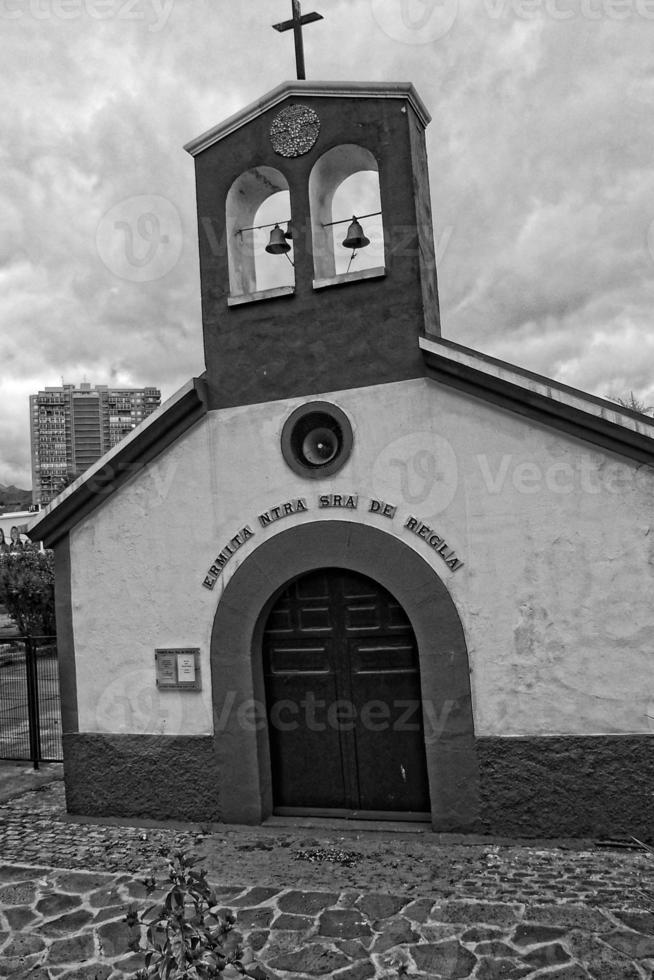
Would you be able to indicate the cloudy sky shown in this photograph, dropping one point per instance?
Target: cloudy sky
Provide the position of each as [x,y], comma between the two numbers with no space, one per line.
[541,157]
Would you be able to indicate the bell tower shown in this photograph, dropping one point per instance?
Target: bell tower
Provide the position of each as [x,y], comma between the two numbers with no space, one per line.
[296,298]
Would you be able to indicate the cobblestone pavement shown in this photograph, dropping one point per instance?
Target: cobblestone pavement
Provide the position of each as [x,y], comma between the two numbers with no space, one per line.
[326,904]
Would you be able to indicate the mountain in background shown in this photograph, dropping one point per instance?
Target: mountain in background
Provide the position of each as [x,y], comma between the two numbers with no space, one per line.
[13,498]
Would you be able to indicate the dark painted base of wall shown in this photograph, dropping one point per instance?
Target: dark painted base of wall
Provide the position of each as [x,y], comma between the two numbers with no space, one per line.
[528,787]
[567,786]
[150,776]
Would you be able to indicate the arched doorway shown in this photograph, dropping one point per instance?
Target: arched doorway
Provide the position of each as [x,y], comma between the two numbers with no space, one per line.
[343,700]
[241,731]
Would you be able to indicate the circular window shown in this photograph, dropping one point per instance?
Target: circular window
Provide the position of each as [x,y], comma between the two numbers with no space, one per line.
[317,439]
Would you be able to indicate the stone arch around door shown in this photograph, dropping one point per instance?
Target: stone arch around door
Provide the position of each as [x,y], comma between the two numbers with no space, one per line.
[240,725]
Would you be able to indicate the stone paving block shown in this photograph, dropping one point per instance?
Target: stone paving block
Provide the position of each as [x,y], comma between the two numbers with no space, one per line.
[13,872]
[349,899]
[448,959]
[358,971]
[571,972]
[500,969]
[115,937]
[14,965]
[128,965]
[546,956]
[306,903]
[637,920]
[343,924]
[315,960]
[477,934]
[354,949]
[435,932]
[634,944]
[418,910]
[257,939]
[105,896]
[19,917]
[495,947]
[33,973]
[23,893]
[75,950]
[569,917]
[253,918]
[79,882]
[489,913]
[66,925]
[254,896]
[51,905]
[288,921]
[600,960]
[532,933]
[111,912]
[96,971]
[393,932]
[380,906]
[22,944]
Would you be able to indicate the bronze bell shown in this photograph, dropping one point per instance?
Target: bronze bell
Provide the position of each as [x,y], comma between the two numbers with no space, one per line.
[289,230]
[277,244]
[355,237]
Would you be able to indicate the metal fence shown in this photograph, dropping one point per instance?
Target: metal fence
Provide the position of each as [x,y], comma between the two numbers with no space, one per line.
[30,708]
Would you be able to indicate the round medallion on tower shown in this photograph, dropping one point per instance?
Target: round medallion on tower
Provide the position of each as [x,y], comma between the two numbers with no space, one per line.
[294,131]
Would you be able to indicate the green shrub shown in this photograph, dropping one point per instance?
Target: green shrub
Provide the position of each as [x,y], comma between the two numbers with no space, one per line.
[186,937]
[27,590]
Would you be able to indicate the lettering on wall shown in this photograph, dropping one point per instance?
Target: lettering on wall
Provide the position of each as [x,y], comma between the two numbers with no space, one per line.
[338,501]
[434,541]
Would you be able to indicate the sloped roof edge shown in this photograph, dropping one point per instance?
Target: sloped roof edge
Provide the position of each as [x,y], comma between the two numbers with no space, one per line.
[112,470]
[302,88]
[586,416]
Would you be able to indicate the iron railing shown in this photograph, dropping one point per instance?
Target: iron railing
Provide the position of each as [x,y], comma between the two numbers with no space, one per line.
[30,707]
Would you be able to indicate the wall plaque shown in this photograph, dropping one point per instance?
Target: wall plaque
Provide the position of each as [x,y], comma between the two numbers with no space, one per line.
[178,669]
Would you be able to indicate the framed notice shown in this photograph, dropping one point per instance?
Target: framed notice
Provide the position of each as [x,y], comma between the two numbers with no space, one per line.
[178,669]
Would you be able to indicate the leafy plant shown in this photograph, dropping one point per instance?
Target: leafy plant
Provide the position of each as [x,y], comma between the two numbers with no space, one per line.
[187,938]
[27,590]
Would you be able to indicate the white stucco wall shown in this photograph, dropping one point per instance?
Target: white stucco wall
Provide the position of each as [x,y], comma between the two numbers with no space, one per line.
[556,535]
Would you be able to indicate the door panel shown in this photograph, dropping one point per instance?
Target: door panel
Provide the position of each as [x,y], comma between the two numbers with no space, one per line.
[343,698]
[389,733]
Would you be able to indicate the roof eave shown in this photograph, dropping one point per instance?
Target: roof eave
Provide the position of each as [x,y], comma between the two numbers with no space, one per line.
[303,88]
[119,465]
[585,416]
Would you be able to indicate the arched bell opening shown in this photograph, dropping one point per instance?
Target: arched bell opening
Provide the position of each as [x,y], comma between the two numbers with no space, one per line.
[260,254]
[343,184]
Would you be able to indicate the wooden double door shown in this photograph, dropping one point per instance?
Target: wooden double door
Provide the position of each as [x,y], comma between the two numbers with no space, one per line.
[344,701]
